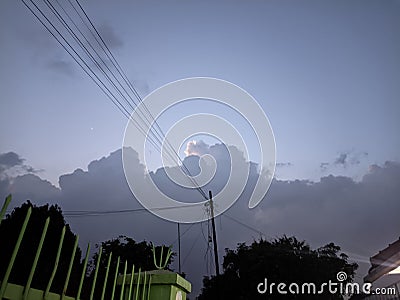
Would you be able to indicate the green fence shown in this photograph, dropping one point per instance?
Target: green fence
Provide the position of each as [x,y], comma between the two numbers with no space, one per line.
[151,285]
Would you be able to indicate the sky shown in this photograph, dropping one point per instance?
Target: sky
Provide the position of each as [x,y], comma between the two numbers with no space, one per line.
[326,74]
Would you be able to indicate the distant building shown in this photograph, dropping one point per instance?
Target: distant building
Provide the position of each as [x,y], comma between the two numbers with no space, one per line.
[385,268]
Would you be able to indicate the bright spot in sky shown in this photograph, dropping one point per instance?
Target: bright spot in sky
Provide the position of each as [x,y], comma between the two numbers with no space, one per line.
[196,148]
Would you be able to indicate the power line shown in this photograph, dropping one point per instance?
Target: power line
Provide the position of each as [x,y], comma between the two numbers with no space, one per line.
[93,76]
[62,21]
[190,227]
[95,61]
[123,75]
[244,224]
[154,137]
[88,213]
[191,248]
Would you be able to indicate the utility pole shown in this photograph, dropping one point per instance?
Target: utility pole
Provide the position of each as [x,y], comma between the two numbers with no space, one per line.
[214,234]
[179,248]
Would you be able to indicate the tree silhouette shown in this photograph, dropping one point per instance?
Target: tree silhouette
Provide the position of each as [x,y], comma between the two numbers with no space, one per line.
[9,231]
[127,249]
[285,260]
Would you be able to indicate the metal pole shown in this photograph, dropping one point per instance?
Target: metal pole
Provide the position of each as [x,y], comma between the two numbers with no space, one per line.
[35,261]
[179,248]
[14,254]
[78,295]
[71,263]
[106,277]
[214,234]
[46,293]
[4,208]
[96,271]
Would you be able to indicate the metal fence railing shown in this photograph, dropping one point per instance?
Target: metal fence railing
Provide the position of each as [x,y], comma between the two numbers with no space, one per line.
[127,290]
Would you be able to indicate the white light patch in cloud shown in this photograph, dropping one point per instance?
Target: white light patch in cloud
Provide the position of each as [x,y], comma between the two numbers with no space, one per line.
[198,148]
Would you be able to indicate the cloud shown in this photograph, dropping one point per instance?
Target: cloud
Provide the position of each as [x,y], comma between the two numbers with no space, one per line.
[198,148]
[342,159]
[11,161]
[362,217]
[45,50]
[349,158]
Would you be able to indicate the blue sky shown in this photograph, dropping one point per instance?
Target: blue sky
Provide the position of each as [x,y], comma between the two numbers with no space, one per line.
[326,73]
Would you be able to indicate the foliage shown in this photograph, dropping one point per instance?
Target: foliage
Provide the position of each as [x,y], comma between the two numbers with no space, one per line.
[9,231]
[286,260]
[127,249]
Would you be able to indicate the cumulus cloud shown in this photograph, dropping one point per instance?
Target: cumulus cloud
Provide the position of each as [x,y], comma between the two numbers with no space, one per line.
[198,148]
[362,217]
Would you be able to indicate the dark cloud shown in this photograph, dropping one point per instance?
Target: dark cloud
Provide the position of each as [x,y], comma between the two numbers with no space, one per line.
[9,160]
[362,217]
[28,187]
[12,160]
[342,159]
[345,159]
[48,52]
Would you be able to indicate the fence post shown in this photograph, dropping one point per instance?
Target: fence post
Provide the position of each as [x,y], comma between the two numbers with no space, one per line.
[46,294]
[35,261]
[71,263]
[78,296]
[123,281]
[137,285]
[130,284]
[115,278]
[95,273]
[4,208]
[144,285]
[15,252]
[106,277]
[148,289]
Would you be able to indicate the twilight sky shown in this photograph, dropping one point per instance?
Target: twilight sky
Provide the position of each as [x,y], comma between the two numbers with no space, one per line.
[326,73]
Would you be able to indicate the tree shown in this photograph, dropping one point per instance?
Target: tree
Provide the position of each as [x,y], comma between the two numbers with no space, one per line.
[127,249]
[283,260]
[9,231]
